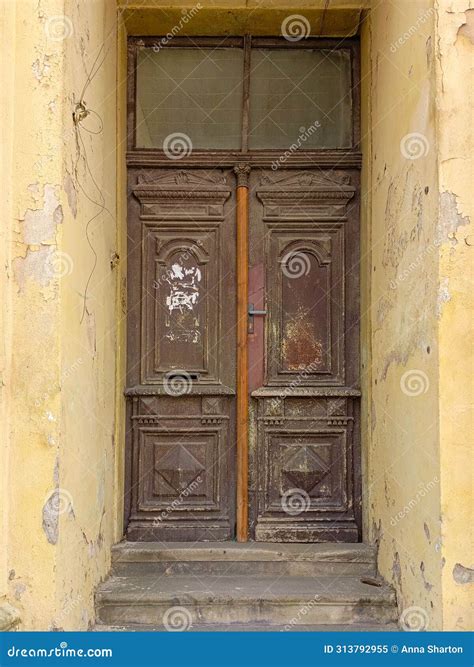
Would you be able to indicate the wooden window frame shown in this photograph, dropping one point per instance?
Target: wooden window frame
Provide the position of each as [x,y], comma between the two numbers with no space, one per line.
[322,157]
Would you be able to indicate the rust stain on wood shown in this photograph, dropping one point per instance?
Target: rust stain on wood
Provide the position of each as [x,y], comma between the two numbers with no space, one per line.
[300,348]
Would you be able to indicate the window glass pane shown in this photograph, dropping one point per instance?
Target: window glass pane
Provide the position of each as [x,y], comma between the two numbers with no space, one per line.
[192,92]
[300,97]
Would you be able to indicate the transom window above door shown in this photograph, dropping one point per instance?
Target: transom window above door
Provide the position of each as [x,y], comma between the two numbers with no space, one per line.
[238,95]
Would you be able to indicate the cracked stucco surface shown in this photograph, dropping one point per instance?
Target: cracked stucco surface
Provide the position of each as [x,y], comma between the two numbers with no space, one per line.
[419,457]
[60,372]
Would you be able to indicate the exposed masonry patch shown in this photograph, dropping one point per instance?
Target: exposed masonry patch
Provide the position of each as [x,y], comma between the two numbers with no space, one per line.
[35,266]
[51,518]
[373,415]
[426,583]
[450,218]
[463,575]
[41,68]
[427,531]
[71,194]
[91,333]
[467,28]
[443,296]
[397,569]
[39,225]
[18,589]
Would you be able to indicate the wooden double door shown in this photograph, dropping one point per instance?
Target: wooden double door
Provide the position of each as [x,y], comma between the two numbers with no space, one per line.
[300,313]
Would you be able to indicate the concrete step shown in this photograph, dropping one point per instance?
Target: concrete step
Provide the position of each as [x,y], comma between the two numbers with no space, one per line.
[254,558]
[249,627]
[174,601]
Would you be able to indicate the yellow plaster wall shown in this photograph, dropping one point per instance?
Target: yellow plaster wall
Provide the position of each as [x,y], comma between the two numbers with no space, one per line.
[455,54]
[89,323]
[64,377]
[416,351]
[336,18]
[402,463]
[62,360]
[7,19]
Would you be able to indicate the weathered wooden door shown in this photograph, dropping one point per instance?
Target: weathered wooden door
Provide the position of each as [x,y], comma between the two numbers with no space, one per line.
[302,480]
[304,362]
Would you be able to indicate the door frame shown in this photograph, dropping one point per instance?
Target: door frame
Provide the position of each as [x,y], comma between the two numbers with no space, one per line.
[341,158]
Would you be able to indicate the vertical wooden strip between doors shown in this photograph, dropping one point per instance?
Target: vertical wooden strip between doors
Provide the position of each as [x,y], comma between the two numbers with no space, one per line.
[242,216]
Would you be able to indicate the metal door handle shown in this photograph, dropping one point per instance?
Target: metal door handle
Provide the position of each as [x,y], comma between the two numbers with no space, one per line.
[252,313]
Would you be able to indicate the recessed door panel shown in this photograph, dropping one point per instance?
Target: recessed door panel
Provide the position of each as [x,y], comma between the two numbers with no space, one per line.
[304,443]
[181,355]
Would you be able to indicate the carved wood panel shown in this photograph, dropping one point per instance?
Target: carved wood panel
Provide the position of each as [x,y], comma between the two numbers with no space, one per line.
[181,356]
[305,447]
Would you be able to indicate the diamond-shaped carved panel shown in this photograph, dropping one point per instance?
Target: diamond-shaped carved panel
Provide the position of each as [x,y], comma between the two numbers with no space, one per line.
[305,469]
[178,468]
[313,463]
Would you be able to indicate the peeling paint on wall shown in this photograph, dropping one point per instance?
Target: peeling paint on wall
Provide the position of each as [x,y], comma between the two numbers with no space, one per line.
[466,30]
[39,225]
[51,518]
[35,266]
[463,575]
[450,218]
